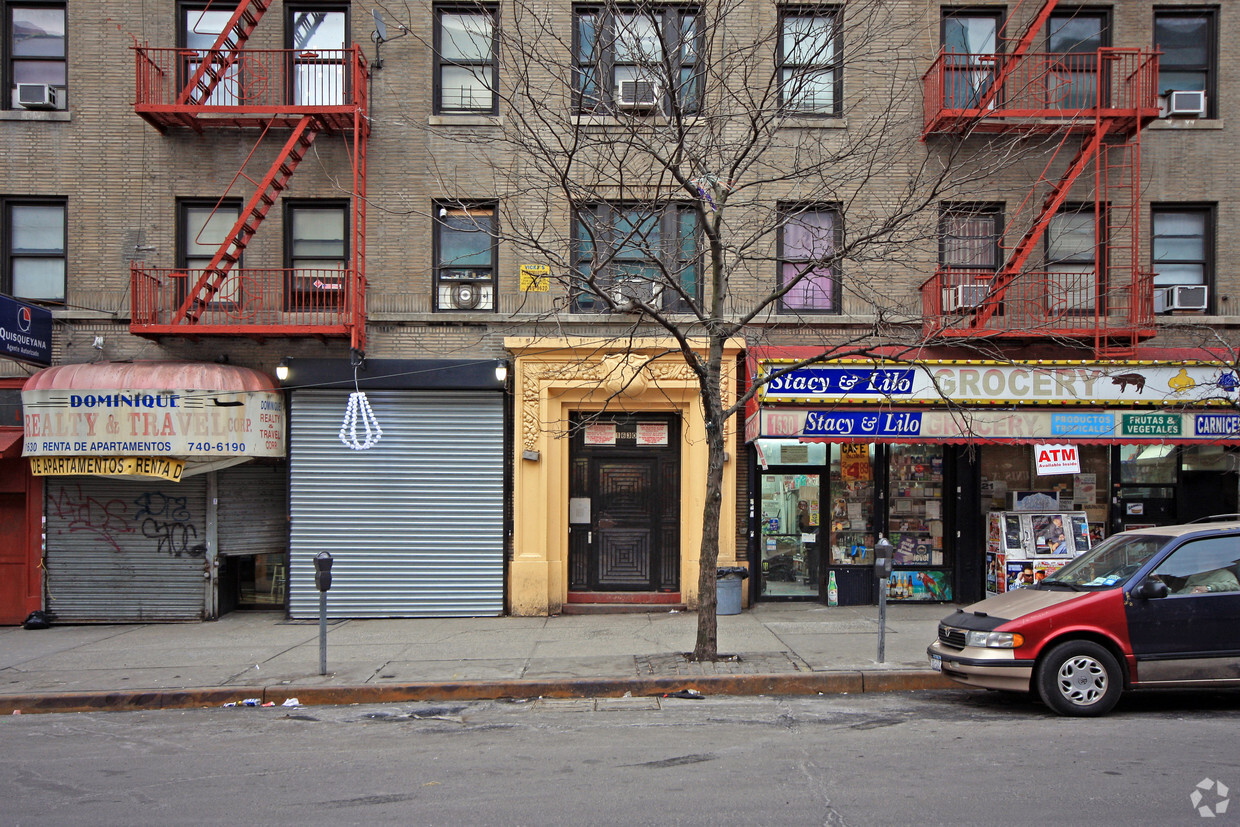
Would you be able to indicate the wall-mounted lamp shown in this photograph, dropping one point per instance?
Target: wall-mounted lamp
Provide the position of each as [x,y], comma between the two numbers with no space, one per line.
[501,371]
[282,369]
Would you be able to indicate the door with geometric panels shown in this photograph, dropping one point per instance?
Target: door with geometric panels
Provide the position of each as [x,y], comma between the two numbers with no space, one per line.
[624,526]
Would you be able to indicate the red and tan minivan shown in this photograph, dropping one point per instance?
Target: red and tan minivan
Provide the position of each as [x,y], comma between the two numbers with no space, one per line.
[1148,608]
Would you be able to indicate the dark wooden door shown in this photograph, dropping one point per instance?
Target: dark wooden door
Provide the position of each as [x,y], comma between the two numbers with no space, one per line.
[625,511]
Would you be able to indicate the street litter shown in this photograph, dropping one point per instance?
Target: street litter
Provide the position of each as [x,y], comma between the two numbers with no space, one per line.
[246,702]
[291,702]
[692,694]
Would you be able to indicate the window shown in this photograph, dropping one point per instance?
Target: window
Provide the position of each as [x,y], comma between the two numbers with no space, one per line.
[200,27]
[809,71]
[1202,567]
[619,59]
[204,228]
[1188,41]
[1182,245]
[1072,261]
[34,249]
[317,37]
[807,242]
[316,253]
[626,255]
[1075,36]
[969,46]
[969,237]
[465,252]
[35,54]
[465,70]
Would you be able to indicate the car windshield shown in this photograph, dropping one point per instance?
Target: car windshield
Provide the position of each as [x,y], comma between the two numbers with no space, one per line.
[1110,563]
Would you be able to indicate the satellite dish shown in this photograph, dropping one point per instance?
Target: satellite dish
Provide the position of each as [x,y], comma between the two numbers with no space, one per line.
[380,33]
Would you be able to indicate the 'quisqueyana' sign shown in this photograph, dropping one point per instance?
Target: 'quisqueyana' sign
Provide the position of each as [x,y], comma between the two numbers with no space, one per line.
[25,332]
[165,423]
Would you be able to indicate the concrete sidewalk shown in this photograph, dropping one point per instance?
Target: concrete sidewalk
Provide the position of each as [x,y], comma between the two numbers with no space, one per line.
[781,648]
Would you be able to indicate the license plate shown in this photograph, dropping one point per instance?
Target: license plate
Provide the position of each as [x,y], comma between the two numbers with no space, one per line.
[936,663]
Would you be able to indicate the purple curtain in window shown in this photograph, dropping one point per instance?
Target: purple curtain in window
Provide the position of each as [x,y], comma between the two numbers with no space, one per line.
[807,238]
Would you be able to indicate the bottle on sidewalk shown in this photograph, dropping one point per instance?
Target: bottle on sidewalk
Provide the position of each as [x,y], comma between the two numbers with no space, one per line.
[833,592]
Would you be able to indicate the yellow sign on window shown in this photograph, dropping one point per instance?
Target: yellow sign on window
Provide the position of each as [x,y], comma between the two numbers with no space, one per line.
[535,278]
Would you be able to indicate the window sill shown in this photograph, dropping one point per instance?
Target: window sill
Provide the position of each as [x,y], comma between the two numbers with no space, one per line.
[1208,124]
[466,120]
[57,116]
[823,122]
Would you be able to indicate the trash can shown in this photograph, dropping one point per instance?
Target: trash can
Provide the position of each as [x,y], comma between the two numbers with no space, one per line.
[728,593]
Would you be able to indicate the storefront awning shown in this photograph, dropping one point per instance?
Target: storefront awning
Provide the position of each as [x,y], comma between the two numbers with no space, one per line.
[203,414]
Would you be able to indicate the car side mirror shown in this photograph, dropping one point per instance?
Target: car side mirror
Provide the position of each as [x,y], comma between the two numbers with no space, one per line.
[1151,588]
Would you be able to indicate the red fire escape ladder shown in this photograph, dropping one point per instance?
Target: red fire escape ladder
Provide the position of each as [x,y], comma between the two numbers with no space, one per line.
[224,53]
[273,183]
[1050,205]
[1012,59]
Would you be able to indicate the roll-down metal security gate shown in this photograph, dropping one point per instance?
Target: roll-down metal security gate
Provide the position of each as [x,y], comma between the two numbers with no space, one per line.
[415,524]
[121,551]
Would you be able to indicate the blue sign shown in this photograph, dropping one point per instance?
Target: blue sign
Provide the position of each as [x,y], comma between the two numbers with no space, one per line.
[1082,424]
[818,381]
[1218,424]
[867,424]
[25,332]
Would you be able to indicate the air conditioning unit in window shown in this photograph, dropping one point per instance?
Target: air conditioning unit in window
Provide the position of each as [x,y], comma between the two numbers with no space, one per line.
[1183,104]
[38,96]
[466,294]
[964,297]
[627,294]
[637,94]
[1181,297]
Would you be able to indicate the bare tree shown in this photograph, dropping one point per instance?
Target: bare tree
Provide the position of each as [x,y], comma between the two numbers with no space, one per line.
[721,171]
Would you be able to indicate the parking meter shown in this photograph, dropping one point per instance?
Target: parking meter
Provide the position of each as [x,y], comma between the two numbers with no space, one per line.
[882,567]
[882,558]
[323,571]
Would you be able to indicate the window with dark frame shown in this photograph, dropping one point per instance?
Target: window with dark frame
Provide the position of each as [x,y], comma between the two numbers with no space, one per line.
[808,239]
[1182,245]
[318,35]
[969,237]
[1075,36]
[619,60]
[465,255]
[1074,274]
[203,228]
[35,241]
[810,81]
[628,254]
[200,26]
[316,254]
[1188,40]
[466,75]
[970,41]
[35,55]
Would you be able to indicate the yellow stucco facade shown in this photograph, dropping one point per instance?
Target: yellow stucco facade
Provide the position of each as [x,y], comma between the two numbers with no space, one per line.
[555,378]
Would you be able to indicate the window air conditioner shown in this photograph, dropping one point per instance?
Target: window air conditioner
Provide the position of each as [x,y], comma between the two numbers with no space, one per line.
[1181,297]
[1183,104]
[627,294]
[637,94]
[38,96]
[466,294]
[964,297]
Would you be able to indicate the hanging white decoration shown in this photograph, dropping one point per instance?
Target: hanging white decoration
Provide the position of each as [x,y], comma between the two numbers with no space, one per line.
[359,412]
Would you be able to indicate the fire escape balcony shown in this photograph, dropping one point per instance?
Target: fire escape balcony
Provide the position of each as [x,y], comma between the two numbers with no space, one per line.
[1089,110]
[284,96]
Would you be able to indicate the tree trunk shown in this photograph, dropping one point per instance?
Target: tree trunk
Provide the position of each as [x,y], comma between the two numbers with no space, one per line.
[706,647]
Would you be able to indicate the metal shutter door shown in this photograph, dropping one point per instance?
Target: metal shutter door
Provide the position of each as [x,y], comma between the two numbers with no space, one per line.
[415,524]
[253,502]
[125,551]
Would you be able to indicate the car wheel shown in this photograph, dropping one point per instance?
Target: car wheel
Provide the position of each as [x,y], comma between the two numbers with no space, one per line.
[1079,678]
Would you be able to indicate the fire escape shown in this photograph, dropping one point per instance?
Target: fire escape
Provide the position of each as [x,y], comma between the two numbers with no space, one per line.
[1087,111]
[283,100]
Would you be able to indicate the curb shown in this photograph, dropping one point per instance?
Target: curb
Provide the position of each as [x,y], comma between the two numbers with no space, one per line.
[807,683]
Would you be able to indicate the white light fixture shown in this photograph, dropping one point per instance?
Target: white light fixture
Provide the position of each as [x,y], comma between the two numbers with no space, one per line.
[501,371]
[282,370]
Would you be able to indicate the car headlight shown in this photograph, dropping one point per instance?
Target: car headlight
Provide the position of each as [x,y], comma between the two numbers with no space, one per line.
[994,640]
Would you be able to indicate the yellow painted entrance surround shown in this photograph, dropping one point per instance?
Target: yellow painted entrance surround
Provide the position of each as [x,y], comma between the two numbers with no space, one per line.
[555,378]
